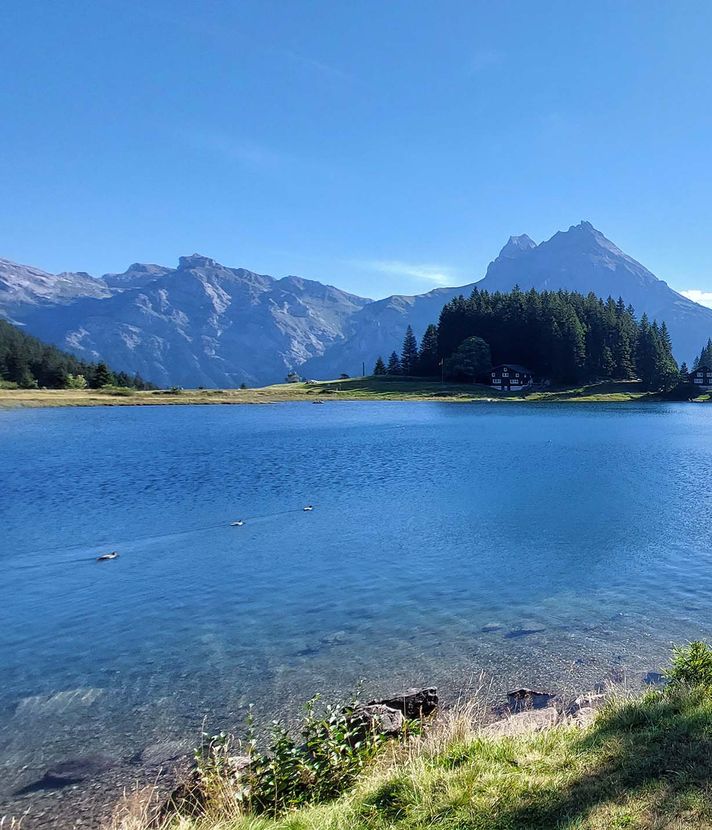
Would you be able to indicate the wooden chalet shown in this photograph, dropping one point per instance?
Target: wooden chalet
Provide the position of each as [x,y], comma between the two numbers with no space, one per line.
[511,377]
[702,377]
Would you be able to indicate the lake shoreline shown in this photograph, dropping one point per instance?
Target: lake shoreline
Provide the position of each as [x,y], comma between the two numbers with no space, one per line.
[91,787]
[351,389]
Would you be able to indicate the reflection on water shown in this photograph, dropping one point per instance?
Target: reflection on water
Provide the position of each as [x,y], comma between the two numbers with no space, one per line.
[540,544]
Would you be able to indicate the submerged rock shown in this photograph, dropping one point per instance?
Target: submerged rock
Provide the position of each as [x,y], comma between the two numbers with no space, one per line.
[522,632]
[413,703]
[654,678]
[57,702]
[162,753]
[71,771]
[529,699]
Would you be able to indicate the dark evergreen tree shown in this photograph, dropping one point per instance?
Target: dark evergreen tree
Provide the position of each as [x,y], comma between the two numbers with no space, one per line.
[102,376]
[705,357]
[409,353]
[428,359]
[394,365]
[379,367]
[470,361]
[18,368]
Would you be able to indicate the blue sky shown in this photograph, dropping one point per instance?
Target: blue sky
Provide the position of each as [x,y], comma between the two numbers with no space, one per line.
[380,146]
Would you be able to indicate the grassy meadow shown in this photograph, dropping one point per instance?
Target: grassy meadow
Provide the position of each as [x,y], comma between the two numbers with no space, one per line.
[351,389]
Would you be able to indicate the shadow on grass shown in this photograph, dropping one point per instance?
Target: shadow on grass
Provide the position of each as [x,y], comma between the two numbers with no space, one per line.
[656,753]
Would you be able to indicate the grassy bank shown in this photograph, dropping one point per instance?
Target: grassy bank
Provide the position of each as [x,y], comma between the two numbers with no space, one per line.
[353,389]
[643,762]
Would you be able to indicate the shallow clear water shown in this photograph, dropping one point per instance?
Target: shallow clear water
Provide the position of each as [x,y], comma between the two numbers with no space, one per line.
[541,544]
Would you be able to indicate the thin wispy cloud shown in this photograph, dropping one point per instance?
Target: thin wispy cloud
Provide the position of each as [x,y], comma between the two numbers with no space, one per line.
[429,273]
[697,296]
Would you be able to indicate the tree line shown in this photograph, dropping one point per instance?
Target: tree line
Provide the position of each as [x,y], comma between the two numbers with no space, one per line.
[29,363]
[562,336]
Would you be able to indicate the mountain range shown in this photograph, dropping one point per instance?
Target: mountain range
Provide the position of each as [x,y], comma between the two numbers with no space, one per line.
[203,323]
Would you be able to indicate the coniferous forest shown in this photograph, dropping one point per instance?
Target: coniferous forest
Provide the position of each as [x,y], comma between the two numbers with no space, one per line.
[30,363]
[561,336]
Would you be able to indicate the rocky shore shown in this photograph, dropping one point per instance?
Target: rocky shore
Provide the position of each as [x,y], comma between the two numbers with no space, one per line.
[82,792]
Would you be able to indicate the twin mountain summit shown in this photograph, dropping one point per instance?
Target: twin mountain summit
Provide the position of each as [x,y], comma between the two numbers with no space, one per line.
[204,324]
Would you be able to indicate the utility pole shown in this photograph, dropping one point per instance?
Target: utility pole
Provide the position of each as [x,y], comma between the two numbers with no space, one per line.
[363,369]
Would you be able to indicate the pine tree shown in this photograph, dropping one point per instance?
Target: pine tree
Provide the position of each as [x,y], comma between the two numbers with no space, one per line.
[394,365]
[684,373]
[409,353]
[18,369]
[428,360]
[379,367]
[102,376]
[705,357]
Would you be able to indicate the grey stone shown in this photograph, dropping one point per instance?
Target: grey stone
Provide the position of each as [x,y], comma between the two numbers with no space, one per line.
[532,720]
[413,703]
[589,701]
[379,718]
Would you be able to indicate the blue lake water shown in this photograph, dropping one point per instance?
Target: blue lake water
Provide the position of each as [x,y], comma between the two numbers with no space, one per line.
[540,544]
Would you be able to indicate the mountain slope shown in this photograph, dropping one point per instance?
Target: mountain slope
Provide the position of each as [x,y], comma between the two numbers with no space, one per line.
[24,288]
[378,328]
[201,323]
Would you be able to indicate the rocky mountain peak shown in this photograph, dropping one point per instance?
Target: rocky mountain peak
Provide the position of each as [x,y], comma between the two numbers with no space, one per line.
[517,245]
[585,237]
[185,263]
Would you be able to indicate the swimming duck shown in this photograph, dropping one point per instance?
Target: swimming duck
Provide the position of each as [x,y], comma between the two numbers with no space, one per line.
[106,556]
[308,508]
[238,523]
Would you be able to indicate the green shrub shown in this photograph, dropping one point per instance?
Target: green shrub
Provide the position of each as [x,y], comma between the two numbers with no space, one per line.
[122,391]
[75,382]
[331,749]
[691,666]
